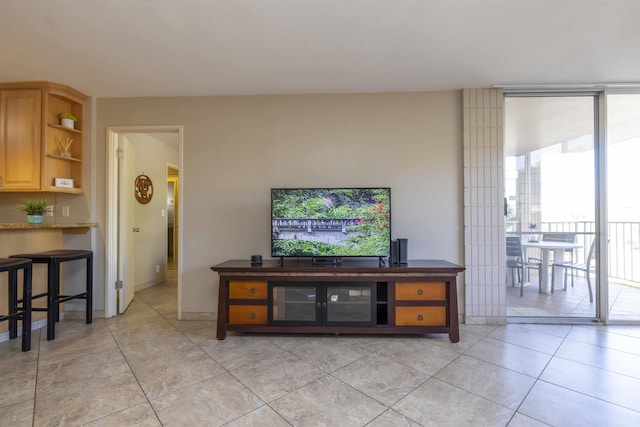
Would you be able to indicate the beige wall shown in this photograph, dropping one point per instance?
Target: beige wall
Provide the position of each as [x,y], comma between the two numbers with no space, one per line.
[237,148]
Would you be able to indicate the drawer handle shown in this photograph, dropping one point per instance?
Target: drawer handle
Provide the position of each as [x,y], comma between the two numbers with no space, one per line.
[252,315]
[420,292]
[420,317]
[252,290]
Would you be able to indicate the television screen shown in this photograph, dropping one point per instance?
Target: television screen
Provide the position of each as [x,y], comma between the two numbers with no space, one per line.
[330,222]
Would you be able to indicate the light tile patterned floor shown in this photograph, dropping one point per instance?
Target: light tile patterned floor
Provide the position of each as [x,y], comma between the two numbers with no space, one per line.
[624,301]
[146,368]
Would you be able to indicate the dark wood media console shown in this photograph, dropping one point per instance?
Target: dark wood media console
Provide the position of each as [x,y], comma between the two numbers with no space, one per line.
[357,297]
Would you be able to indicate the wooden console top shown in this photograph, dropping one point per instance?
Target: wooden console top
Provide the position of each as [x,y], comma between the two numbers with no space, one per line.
[347,266]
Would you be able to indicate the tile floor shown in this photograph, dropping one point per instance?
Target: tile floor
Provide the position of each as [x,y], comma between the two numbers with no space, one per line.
[624,301]
[146,368]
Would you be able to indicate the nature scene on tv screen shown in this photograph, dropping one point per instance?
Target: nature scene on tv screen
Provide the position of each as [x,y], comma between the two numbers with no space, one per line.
[330,222]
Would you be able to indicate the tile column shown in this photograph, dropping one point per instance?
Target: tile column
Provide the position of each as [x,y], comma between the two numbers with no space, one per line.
[483,139]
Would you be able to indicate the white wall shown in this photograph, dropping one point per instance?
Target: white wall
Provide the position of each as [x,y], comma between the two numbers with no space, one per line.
[237,148]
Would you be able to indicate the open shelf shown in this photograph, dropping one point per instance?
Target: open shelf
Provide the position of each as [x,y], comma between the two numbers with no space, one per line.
[64,128]
[70,159]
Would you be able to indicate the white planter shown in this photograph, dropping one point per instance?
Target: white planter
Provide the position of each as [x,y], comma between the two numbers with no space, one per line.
[68,123]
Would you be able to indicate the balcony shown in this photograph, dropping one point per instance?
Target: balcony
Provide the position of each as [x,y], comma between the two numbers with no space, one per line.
[623,275]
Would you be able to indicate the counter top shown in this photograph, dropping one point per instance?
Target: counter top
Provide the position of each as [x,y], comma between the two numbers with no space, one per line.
[45,226]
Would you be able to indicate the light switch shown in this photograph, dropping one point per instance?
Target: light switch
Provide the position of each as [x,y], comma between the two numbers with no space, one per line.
[162,212]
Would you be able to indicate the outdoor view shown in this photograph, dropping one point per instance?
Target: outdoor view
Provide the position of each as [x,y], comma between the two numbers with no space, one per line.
[550,191]
[331,222]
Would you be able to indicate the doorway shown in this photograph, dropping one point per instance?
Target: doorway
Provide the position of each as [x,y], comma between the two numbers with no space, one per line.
[172,217]
[119,292]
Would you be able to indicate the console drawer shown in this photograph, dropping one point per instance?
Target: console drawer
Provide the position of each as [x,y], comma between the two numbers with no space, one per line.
[421,291]
[421,316]
[247,289]
[248,314]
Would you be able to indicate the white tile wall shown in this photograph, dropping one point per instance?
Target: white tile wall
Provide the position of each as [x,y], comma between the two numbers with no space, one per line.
[485,281]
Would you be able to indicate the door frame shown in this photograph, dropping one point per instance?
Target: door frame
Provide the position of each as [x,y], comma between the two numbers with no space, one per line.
[176,207]
[111,246]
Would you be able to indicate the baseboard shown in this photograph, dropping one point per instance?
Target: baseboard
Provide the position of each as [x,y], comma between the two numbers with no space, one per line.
[199,316]
[469,320]
[37,324]
[147,285]
[4,336]
[75,315]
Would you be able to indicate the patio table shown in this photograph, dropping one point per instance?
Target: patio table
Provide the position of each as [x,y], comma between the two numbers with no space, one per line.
[548,247]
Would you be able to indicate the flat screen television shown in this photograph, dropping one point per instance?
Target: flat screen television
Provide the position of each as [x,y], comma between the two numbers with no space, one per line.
[330,222]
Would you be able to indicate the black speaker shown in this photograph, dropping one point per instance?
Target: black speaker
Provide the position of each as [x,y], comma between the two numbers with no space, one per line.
[403,254]
[393,259]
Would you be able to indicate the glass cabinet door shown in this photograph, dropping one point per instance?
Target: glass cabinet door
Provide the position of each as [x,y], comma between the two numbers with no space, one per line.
[324,303]
[350,304]
[296,305]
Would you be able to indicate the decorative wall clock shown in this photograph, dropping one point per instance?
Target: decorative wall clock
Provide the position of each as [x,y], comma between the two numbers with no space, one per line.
[143,189]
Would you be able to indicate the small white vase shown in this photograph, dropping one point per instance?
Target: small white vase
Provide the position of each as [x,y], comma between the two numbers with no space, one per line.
[68,123]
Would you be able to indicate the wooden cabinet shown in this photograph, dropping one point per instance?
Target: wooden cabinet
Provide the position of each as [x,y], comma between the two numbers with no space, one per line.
[20,139]
[358,296]
[30,135]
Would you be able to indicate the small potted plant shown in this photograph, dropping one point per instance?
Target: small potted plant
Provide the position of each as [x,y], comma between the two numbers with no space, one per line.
[67,120]
[34,208]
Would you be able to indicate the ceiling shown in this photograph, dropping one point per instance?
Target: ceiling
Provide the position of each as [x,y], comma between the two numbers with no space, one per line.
[133,48]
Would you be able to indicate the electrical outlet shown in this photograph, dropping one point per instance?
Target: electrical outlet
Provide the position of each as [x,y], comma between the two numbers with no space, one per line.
[49,210]
[65,211]
[157,268]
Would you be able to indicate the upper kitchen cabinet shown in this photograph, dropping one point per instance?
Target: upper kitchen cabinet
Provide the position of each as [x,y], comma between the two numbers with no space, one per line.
[38,152]
[20,139]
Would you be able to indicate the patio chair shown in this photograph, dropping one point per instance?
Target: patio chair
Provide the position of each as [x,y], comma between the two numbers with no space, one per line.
[516,263]
[587,268]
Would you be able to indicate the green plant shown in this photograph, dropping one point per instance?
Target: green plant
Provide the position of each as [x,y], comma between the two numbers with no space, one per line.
[33,207]
[67,116]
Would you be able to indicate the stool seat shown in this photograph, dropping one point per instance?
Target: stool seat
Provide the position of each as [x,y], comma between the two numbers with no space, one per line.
[54,298]
[59,254]
[17,312]
[7,264]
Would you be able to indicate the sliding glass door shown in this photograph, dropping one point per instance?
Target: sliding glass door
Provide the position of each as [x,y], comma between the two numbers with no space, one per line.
[550,203]
[623,206]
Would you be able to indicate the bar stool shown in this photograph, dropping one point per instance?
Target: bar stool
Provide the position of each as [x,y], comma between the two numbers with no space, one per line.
[54,299]
[12,266]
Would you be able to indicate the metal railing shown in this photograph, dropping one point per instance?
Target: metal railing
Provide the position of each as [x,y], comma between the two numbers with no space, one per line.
[624,244]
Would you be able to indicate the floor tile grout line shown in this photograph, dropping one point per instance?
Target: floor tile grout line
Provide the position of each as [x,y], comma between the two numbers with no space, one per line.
[537,379]
[134,376]
[35,386]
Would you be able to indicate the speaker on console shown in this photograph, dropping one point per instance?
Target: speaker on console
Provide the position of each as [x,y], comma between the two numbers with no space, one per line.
[403,254]
[394,259]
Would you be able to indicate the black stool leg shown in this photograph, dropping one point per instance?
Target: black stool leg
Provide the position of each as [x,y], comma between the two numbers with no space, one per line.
[56,307]
[13,303]
[89,313]
[26,306]
[52,299]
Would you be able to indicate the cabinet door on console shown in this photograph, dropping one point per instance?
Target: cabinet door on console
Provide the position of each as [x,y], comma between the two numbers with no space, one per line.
[294,304]
[421,304]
